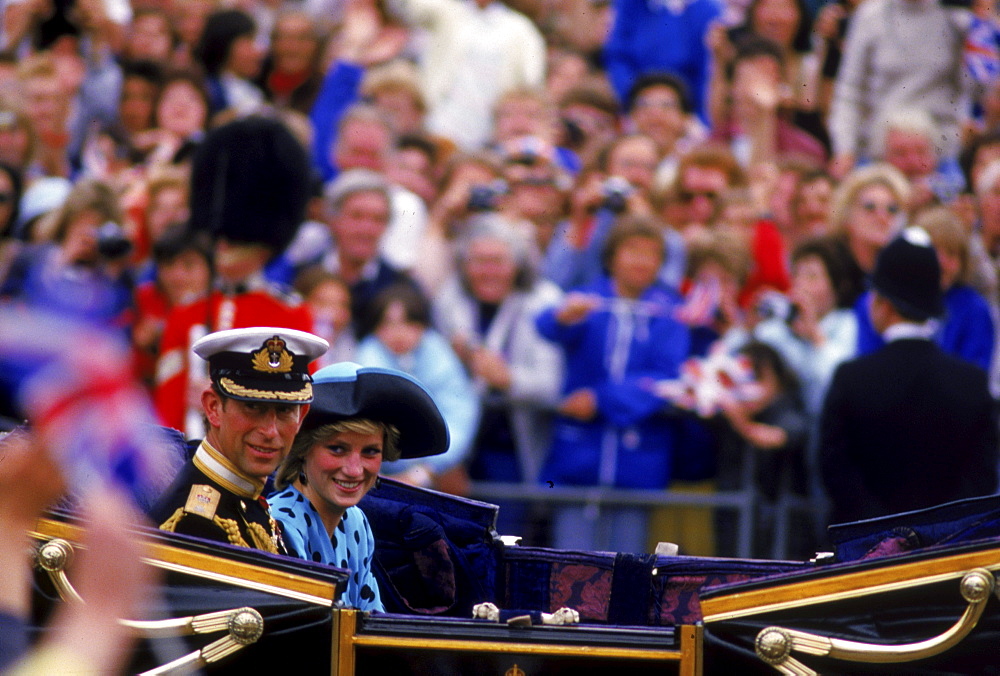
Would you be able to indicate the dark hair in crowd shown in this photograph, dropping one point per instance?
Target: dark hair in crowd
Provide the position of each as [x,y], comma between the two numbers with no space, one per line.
[17,187]
[967,158]
[656,79]
[751,48]
[179,238]
[192,77]
[802,42]
[222,29]
[834,258]
[144,69]
[422,143]
[763,357]
[415,306]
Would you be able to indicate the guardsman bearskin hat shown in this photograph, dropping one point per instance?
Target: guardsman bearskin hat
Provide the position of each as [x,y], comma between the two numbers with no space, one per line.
[250,183]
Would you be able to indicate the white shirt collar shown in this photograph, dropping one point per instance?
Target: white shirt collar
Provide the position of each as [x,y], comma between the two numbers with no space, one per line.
[903,330]
[220,470]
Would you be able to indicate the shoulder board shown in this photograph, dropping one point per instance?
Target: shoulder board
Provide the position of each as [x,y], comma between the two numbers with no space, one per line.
[203,500]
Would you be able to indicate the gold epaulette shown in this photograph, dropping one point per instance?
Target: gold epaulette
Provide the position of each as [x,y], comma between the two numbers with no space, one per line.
[203,500]
[228,526]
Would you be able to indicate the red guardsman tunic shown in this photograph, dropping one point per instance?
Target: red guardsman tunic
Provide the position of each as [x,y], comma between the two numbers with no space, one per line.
[261,306]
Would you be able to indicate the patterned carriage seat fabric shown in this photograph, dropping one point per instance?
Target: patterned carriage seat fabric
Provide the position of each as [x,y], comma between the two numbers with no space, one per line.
[948,524]
[620,589]
[435,554]
[679,580]
[540,579]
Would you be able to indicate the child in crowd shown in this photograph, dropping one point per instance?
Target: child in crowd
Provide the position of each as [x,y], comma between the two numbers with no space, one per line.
[329,300]
[763,449]
[182,273]
[399,336]
[718,266]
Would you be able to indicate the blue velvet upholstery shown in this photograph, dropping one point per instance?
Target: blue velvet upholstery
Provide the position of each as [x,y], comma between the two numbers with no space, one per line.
[947,524]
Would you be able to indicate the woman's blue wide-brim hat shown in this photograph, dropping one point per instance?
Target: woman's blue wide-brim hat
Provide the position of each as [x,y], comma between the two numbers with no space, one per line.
[348,390]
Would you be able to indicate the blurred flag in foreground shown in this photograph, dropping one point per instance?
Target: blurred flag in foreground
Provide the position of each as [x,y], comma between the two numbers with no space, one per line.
[73,382]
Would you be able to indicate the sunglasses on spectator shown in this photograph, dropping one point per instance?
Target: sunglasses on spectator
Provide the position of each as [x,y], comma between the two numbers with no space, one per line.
[6,197]
[691,195]
[872,207]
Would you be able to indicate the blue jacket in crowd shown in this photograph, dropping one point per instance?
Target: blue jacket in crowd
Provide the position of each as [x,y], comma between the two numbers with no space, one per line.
[966,329]
[618,351]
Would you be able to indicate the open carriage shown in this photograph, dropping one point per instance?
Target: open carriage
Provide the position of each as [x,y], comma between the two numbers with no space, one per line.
[912,593]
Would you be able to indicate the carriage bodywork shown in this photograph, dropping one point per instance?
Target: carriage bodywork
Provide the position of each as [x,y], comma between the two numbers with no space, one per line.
[915,589]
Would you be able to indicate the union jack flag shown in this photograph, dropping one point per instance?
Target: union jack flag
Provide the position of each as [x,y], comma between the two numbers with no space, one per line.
[982,50]
[73,381]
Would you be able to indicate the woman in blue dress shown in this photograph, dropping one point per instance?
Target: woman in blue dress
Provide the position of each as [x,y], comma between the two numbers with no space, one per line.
[359,417]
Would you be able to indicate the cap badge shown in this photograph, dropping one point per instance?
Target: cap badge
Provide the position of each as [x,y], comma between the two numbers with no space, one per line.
[273,357]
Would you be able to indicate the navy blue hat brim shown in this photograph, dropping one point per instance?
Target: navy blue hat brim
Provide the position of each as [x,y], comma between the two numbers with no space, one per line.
[346,391]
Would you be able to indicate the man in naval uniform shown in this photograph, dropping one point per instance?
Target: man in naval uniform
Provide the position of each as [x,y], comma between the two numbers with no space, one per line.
[259,394]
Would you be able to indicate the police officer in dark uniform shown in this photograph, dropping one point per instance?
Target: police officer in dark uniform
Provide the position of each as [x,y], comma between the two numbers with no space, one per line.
[908,426]
[259,395]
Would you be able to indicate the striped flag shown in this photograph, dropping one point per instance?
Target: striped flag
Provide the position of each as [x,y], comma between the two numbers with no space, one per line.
[73,381]
[982,50]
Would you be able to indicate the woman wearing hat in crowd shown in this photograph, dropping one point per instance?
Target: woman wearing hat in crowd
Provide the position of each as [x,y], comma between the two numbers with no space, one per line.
[359,417]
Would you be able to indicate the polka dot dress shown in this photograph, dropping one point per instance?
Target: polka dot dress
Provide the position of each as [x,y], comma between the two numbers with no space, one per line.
[351,546]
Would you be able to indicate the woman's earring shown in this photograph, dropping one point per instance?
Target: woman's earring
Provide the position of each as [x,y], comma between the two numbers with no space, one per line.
[378,482]
[302,478]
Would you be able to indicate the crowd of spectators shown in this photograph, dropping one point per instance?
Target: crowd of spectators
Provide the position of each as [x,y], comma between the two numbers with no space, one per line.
[539,210]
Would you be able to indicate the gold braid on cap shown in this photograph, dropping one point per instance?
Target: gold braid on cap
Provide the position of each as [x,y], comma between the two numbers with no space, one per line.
[238,390]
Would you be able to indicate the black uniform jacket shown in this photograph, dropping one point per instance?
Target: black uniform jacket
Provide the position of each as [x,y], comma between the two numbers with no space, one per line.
[211,500]
[904,428]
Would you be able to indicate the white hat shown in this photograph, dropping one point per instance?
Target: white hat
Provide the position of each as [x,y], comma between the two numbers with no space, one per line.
[266,363]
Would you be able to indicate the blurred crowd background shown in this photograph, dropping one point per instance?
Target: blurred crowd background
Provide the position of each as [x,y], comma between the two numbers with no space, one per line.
[547,211]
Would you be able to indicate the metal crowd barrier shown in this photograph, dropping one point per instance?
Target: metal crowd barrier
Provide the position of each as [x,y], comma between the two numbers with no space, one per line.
[743,502]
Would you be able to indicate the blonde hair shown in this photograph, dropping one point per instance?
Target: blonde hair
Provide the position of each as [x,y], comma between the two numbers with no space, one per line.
[291,466]
[525,93]
[395,76]
[86,195]
[723,245]
[859,179]
[164,178]
[40,64]
[948,235]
